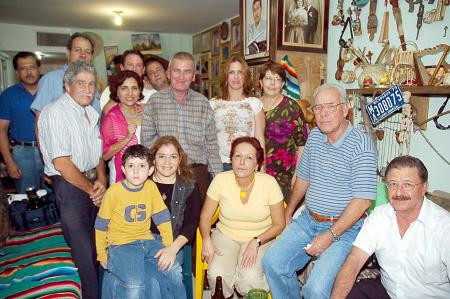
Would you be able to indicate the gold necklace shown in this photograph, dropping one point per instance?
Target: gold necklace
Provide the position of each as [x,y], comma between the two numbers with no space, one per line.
[243,192]
[273,104]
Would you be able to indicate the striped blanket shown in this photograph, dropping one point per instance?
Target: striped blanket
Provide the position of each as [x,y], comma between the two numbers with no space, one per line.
[38,264]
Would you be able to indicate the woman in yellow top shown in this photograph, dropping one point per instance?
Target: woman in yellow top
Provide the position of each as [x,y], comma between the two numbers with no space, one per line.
[251,216]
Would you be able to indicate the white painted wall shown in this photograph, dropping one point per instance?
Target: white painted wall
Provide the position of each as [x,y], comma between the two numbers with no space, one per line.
[15,37]
[430,36]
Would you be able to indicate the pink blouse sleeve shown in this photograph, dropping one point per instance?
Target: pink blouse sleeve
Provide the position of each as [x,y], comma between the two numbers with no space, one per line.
[111,129]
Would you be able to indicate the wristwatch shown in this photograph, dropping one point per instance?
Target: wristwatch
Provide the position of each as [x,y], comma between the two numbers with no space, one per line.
[258,240]
[333,236]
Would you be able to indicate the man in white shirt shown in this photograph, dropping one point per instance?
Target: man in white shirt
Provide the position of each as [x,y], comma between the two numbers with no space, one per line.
[410,237]
[132,60]
[257,31]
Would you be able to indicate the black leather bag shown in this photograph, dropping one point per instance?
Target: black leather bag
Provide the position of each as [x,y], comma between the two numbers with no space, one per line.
[25,218]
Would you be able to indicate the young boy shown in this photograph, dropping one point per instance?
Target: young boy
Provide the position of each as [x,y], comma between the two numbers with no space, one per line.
[125,244]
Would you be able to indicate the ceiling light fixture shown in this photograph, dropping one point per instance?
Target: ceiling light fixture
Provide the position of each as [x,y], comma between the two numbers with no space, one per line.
[118,18]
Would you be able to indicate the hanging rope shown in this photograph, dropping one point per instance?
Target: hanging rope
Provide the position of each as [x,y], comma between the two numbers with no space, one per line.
[432,147]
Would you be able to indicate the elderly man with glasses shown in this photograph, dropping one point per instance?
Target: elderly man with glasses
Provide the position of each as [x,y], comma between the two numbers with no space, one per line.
[409,236]
[337,172]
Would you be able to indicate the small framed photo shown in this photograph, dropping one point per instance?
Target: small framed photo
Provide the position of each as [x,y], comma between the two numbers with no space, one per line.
[204,65]
[303,25]
[196,44]
[214,89]
[204,87]
[258,32]
[224,51]
[205,41]
[236,44]
[214,69]
[110,53]
[215,41]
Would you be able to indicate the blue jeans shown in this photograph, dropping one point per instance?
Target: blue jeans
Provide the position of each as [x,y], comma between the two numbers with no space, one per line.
[29,160]
[287,255]
[130,265]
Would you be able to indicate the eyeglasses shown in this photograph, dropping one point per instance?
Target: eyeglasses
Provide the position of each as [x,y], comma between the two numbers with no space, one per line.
[316,109]
[273,79]
[408,186]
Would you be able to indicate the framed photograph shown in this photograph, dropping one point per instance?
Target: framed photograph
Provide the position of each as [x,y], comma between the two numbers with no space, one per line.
[214,68]
[196,44]
[258,32]
[215,41]
[303,25]
[214,89]
[224,31]
[110,53]
[204,65]
[205,41]
[236,33]
[204,88]
[224,51]
[147,43]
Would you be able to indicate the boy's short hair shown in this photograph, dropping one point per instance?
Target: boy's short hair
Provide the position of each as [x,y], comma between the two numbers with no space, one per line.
[137,151]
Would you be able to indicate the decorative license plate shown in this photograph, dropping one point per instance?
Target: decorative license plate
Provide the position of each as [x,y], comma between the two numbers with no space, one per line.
[384,105]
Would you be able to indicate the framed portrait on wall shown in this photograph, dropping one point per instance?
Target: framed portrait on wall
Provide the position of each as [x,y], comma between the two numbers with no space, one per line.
[214,88]
[204,65]
[236,44]
[215,41]
[196,44]
[303,25]
[224,51]
[205,41]
[214,68]
[258,32]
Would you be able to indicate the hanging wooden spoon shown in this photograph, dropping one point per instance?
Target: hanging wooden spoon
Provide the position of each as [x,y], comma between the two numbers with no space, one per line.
[372,21]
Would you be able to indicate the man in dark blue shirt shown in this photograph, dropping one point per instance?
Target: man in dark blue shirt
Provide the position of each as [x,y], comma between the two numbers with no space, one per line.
[24,164]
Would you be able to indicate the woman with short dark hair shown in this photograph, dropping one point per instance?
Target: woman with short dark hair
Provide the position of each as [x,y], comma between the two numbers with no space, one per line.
[120,127]
[251,216]
[284,127]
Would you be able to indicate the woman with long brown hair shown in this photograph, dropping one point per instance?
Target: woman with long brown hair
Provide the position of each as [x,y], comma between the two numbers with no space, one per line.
[236,112]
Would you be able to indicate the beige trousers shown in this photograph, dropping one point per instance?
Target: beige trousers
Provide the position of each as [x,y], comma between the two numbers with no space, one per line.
[228,266]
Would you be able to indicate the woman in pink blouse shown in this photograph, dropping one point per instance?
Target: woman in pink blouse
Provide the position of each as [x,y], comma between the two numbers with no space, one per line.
[120,127]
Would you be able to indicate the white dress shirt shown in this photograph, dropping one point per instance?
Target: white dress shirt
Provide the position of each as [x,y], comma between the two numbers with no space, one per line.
[417,265]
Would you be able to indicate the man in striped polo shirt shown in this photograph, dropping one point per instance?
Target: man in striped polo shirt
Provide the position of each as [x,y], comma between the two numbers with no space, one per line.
[337,173]
[72,150]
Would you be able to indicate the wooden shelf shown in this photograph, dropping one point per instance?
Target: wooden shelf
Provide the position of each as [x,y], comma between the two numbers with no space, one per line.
[415,90]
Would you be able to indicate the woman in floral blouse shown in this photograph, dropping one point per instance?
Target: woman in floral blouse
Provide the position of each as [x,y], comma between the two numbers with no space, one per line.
[284,127]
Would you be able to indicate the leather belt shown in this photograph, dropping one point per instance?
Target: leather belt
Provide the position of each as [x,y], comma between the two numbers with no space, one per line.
[320,218]
[24,143]
[90,174]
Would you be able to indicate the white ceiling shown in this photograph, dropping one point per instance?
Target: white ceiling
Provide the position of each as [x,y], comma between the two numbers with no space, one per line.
[169,16]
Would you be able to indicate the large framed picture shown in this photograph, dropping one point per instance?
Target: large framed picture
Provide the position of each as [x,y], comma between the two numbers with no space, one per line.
[236,44]
[303,25]
[258,32]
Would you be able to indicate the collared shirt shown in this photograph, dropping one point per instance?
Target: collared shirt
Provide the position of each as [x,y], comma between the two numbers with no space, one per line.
[417,265]
[104,98]
[51,87]
[257,34]
[65,131]
[15,104]
[191,122]
[338,172]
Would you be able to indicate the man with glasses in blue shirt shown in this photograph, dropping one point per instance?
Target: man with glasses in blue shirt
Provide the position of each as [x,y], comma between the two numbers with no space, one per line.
[337,172]
[409,236]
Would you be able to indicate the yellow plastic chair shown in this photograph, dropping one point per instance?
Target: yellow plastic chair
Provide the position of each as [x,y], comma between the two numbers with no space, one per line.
[201,266]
